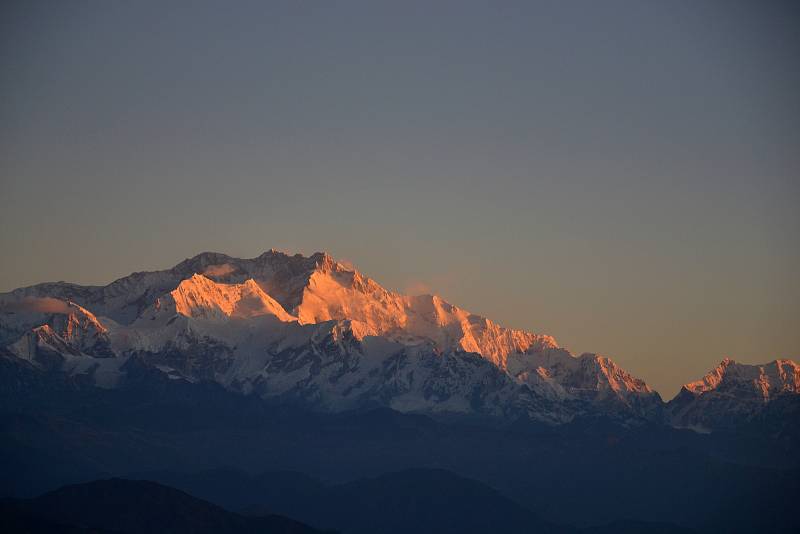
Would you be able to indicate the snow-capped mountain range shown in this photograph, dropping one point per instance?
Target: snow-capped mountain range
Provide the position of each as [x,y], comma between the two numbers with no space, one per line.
[733,392]
[312,330]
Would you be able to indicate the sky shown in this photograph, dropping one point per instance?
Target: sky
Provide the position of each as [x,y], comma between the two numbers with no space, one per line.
[622,175]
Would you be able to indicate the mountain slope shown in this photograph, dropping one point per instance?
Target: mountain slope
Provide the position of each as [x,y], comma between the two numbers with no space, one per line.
[60,326]
[200,297]
[417,500]
[586,472]
[137,506]
[732,394]
[315,331]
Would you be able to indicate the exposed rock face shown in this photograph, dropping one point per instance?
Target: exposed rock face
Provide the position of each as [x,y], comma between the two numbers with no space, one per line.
[52,327]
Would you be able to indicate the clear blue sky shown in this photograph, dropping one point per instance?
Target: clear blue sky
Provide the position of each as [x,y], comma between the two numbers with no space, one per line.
[622,175]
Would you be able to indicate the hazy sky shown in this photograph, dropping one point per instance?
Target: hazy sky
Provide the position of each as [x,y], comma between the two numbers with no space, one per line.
[622,175]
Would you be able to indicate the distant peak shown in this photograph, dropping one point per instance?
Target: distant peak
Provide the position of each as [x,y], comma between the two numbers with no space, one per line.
[766,376]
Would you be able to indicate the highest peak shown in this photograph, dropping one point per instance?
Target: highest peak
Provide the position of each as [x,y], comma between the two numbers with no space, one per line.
[324,261]
[316,261]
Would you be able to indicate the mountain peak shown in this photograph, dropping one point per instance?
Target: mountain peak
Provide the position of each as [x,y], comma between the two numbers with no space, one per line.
[199,296]
[763,380]
[327,263]
[733,392]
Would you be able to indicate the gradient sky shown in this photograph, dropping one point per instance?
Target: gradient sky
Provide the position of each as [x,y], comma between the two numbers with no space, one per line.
[622,175]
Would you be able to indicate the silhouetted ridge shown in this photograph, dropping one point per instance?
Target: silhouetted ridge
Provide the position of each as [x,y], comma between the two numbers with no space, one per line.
[139,506]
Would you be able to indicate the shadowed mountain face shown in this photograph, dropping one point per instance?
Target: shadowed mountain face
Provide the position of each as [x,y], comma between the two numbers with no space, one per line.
[418,500]
[424,501]
[588,472]
[137,506]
